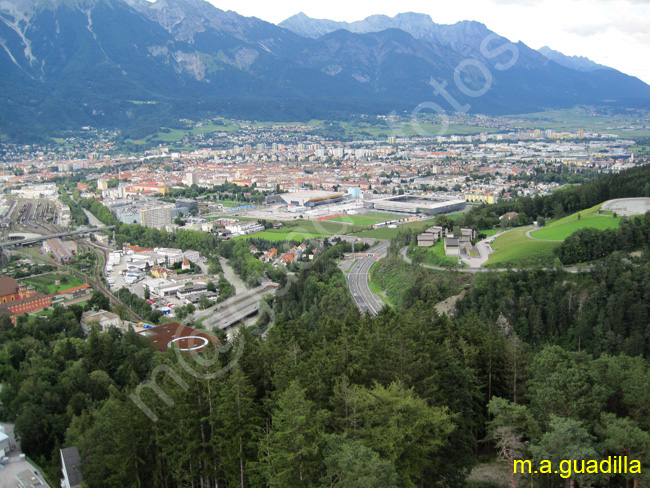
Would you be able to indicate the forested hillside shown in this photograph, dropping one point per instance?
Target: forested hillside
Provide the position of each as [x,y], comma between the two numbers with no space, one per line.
[634,182]
[329,398]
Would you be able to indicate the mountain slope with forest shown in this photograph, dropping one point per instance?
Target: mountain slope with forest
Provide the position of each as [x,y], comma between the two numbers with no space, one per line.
[66,63]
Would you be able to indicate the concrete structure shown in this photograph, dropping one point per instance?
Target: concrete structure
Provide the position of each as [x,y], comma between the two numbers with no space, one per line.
[452,247]
[63,251]
[29,479]
[311,198]
[432,234]
[411,204]
[185,338]
[76,292]
[156,216]
[426,239]
[70,461]
[245,228]
[4,444]
[102,318]
[480,197]
[354,192]
[48,191]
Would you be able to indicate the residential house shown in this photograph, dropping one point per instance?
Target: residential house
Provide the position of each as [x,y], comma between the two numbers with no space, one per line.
[452,247]
[102,318]
[426,239]
[70,462]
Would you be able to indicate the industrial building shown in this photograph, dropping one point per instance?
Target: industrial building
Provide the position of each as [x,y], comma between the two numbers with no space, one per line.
[62,251]
[311,198]
[412,204]
[47,191]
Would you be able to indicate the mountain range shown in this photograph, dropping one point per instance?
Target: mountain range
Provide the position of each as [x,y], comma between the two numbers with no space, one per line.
[132,63]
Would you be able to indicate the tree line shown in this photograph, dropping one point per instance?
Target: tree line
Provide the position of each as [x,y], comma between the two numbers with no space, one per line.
[634,182]
[590,244]
[331,398]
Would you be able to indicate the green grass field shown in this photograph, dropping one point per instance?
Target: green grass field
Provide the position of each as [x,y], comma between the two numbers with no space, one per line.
[386,233]
[382,215]
[46,284]
[640,150]
[435,256]
[355,219]
[304,229]
[230,203]
[563,228]
[378,290]
[578,118]
[174,135]
[455,216]
[281,236]
[516,250]
[489,232]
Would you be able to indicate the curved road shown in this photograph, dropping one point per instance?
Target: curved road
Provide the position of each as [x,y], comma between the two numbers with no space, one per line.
[568,269]
[358,282]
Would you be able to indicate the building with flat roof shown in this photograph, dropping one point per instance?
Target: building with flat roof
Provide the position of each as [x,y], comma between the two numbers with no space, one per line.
[29,479]
[70,461]
[102,318]
[185,338]
[156,215]
[413,204]
[311,198]
[63,251]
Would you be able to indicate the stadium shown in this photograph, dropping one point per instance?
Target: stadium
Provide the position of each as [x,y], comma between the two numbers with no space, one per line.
[412,204]
[312,198]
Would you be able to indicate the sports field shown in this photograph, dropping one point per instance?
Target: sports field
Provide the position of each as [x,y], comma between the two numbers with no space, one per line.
[383,215]
[355,219]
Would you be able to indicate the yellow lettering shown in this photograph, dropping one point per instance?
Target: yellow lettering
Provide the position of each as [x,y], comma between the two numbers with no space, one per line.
[606,465]
[582,466]
[545,467]
[592,467]
[523,464]
[635,467]
[565,468]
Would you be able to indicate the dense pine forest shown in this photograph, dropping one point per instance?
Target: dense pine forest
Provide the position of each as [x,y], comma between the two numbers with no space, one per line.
[552,363]
[535,364]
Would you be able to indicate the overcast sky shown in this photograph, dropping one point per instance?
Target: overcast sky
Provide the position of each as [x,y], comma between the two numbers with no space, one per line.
[615,33]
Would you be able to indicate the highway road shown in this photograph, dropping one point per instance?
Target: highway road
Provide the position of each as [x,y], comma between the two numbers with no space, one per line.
[229,312]
[358,280]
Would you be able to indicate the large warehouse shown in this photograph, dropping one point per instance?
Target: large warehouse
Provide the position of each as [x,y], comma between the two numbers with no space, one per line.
[312,198]
[412,204]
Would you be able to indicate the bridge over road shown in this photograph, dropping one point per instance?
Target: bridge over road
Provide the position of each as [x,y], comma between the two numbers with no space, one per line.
[237,308]
[32,240]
